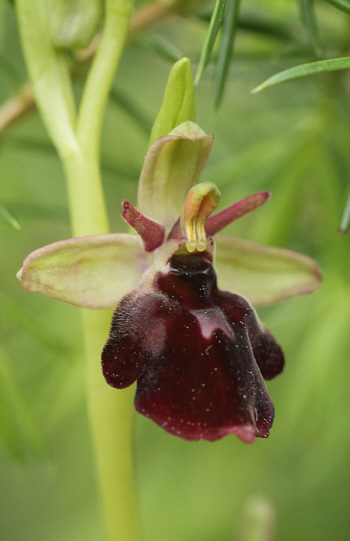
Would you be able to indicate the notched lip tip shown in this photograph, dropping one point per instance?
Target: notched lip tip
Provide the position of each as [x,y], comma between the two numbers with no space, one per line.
[246,433]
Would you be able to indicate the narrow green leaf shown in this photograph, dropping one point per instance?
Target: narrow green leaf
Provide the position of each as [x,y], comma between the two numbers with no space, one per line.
[131,108]
[107,165]
[17,428]
[36,211]
[225,51]
[312,68]
[31,145]
[8,218]
[12,76]
[178,103]
[343,5]
[25,321]
[213,30]
[258,22]
[345,220]
[162,47]
[308,16]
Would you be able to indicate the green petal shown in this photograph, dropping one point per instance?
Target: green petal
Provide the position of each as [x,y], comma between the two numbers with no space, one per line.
[263,274]
[91,272]
[172,166]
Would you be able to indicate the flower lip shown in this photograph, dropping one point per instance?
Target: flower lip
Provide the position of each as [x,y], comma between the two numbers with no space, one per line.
[195,352]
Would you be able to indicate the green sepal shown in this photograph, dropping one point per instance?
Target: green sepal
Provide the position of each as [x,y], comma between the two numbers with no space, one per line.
[178,103]
[173,164]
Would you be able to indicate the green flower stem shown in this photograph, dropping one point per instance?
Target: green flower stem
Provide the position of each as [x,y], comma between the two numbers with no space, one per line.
[117,19]
[50,76]
[110,411]
[111,415]
[257,520]
[87,206]
[77,142]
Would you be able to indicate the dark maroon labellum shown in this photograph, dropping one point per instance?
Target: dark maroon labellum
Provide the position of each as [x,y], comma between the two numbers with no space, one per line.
[199,355]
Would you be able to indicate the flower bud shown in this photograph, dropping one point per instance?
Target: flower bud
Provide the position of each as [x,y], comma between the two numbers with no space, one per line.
[73,23]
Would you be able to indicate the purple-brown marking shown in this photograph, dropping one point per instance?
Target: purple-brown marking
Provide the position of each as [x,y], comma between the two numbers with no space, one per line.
[198,354]
[151,232]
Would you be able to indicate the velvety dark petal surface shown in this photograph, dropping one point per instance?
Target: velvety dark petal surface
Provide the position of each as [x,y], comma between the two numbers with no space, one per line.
[137,335]
[196,353]
[205,387]
[267,352]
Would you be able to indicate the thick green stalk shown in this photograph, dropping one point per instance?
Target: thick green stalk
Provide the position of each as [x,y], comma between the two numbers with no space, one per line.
[110,411]
[77,143]
[111,415]
[49,74]
[117,19]
[87,207]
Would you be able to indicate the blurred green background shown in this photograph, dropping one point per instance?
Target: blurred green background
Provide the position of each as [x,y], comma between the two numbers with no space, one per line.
[294,140]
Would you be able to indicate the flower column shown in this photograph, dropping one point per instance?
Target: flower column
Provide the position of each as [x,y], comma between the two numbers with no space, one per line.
[77,139]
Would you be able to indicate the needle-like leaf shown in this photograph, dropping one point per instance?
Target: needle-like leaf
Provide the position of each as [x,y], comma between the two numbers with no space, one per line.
[162,47]
[308,16]
[225,52]
[213,30]
[8,218]
[131,108]
[312,68]
[345,220]
[18,430]
[343,5]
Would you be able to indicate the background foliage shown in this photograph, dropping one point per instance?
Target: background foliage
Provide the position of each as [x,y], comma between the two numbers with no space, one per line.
[293,140]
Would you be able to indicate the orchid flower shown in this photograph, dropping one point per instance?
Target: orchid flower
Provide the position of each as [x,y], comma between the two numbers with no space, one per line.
[192,340]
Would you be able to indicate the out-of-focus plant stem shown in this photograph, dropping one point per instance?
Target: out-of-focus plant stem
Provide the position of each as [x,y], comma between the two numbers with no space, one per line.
[77,140]
[144,17]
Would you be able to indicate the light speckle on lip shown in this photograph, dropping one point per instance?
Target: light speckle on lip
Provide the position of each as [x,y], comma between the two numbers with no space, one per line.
[210,321]
[201,380]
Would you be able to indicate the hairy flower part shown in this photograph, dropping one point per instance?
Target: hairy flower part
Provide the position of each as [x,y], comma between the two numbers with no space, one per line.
[199,354]
[196,347]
